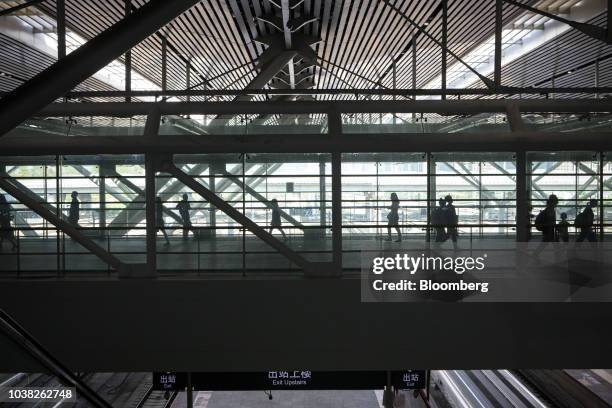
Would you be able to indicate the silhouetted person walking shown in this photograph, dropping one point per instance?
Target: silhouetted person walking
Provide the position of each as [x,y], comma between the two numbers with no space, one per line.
[276,218]
[159,219]
[584,221]
[439,222]
[75,209]
[183,207]
[452,220]
[546,220]
[393,218]
[6,232]
[563,229]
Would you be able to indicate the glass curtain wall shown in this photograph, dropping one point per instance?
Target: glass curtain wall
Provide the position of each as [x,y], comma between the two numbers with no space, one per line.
[483,190]
[574,177]
[288,195]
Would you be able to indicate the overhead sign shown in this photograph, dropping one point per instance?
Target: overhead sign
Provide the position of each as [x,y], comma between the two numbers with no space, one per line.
[292,380]
[409,379]
[169,381]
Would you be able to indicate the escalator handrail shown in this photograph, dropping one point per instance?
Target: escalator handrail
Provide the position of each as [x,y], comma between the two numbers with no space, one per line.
[24,339]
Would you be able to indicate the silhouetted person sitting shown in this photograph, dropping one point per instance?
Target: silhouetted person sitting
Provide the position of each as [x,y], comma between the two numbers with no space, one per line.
[159,219]
[546,220]
[393,218]
[183,207]
[439,222]
[452,220]
[75,209]
[563,229]
[584,221]
[6,232]
[276,218]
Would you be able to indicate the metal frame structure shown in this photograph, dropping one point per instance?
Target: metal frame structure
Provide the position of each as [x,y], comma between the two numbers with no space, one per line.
[73,69]
[287,48]
[290,49]
[158,150]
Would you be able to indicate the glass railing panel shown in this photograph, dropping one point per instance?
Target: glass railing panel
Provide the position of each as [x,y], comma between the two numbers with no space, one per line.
[231,124]
[588,122]
[423,123]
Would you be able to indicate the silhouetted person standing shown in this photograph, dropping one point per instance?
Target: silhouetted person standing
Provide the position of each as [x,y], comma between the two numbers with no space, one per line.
[6,232]
[159,219]
[584,221]
[452,220]
[183,208]
[439,222]
[75,209]
[276,218]
[393,218]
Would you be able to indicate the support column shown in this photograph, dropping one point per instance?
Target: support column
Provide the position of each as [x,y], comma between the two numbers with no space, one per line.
[188,78]
[522,198]
[602,161]
[414,62]
[151,131]
[414,69]
[128,57]
[213,210]
[609,25]
[514,117]
[102,195]
[431,192]
[394,72]
[498,42]
[444,46]
[337,209]
[335,130]
[322,195]
[164,63]
[515,121]
[61,29]
[597,76]
[189,391]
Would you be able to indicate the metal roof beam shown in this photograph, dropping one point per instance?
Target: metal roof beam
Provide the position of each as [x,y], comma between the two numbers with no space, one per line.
[19,7]
[79,65]
[591,30]
[268,71]
[490,84]
[310,143]
[505,55]
[452,107]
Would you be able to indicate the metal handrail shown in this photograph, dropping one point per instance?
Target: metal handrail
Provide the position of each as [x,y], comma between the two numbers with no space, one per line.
[25,340]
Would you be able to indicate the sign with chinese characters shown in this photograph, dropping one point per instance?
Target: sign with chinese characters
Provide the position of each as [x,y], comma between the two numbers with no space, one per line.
[291,380]
[169,381]
[409,379]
